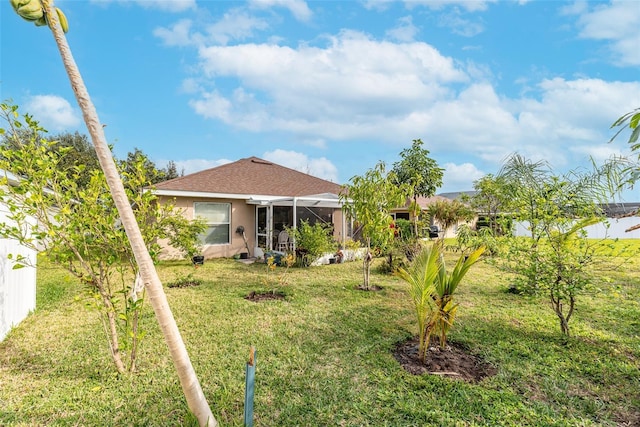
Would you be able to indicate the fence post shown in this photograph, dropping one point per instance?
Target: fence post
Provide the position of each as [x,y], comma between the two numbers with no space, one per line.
[250,375]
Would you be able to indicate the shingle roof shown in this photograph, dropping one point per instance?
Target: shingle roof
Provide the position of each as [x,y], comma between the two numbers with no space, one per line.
[251,176]
[619,210]
[454,195]
[423,202]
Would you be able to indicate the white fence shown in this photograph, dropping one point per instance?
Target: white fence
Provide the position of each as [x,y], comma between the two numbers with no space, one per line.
[615,230]
[17,287]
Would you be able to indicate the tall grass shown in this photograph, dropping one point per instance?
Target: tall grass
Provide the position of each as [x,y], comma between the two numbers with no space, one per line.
[325,354]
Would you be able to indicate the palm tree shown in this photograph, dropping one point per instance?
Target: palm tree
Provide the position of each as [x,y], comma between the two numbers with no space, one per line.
[449,212]
[431,288]
[421,276]
[189,381]
[446,285]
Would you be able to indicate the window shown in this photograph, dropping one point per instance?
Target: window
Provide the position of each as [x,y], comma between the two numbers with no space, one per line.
[400,215]
[218,219]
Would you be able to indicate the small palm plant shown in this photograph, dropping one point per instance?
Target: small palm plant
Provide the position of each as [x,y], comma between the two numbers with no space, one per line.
[421,276]
[446,285]
[431,289]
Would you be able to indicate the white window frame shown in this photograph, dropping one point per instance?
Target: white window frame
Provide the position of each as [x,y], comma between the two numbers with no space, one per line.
[209,224]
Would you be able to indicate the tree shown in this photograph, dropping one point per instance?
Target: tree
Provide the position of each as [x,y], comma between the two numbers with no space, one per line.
[632,171]
[448,213]
[188,379]
[77,227]
[77,149]
[80,153]
[369,199]
[564,271]
[420,173]
[490,200]
[556,258]
[153,173]
[171,171]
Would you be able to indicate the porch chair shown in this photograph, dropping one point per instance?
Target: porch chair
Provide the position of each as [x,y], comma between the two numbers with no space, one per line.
[283,241]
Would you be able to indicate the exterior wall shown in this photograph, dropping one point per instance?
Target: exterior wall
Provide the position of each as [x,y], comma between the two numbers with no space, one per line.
[338,233]
[451,232]
[616,229]
[241,215]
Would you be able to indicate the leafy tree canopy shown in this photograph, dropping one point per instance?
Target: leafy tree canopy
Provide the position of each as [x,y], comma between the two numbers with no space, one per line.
[416,169]
[368,199]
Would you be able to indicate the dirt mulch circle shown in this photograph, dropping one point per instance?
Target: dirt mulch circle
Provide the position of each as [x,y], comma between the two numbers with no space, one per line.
[265,296]
[370,288]
[184,284]
[454,361]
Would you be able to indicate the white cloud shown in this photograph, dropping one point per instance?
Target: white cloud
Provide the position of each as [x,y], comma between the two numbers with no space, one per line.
[319,167]
[177,35]
[459,25]
[354,87]
[405,31]
[298,8]
[599,153]
[213,106]
[168,5]
[53,112]
[378,5]
[469,5]
[165,5]
[235,24]
[618,24]
[360,88]
[347,89]
[460,177]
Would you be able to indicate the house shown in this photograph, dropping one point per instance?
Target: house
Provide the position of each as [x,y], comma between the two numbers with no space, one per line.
[256,196]
[17,286]
[424,203]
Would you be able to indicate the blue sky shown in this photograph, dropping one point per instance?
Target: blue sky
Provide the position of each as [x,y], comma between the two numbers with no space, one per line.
[333,87]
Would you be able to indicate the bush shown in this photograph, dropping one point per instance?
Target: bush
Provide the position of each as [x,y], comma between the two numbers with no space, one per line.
[312,241]
[468,240]
[405,228]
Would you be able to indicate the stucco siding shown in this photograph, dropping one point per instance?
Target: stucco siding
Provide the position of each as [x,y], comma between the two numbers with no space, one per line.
[241,215]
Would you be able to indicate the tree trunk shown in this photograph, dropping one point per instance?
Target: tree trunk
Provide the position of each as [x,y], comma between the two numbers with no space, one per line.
[112,332]
[188,379]
[366,265]
[365,271]
[564,321]
[415,216]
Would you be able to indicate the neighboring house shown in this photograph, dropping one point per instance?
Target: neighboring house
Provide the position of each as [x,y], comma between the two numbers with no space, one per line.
[17,286]
[256,195]
[424,202]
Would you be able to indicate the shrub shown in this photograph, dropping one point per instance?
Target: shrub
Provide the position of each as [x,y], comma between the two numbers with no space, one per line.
[468,240]
[312,241]
[431,288]
[405,228]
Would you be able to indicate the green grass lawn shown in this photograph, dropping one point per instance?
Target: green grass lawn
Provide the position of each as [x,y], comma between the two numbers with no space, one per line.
[325,354]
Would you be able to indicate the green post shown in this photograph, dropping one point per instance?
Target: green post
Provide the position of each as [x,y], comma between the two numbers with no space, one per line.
[249,388]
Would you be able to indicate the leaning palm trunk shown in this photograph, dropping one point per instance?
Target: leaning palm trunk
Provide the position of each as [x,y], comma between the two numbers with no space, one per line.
[188,379]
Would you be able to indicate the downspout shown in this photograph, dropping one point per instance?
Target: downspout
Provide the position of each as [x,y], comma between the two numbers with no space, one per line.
[270,226]
[344,227]
[295,221]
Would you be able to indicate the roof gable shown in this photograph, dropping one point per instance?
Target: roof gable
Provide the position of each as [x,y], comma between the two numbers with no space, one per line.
[251,176]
